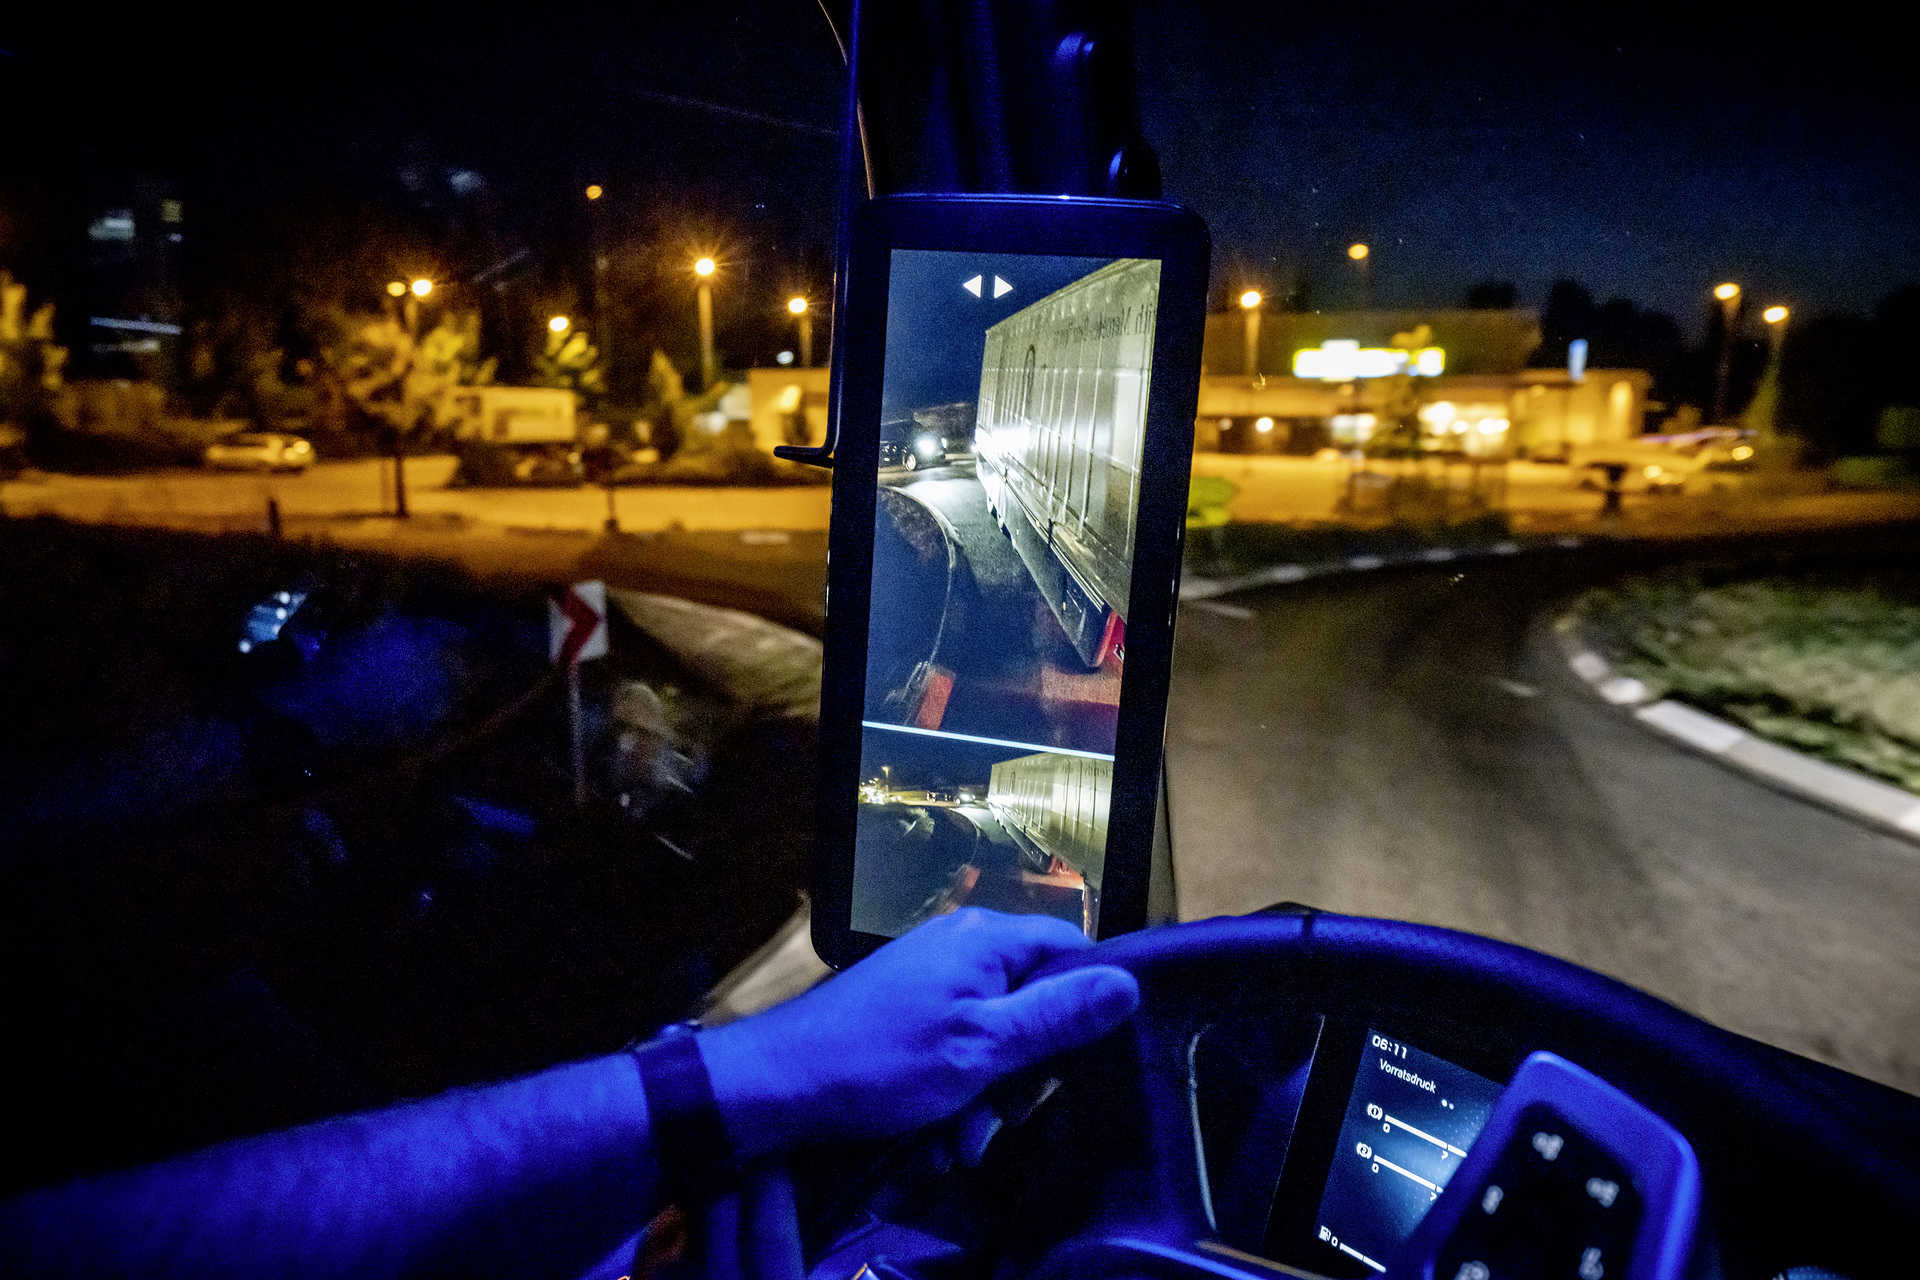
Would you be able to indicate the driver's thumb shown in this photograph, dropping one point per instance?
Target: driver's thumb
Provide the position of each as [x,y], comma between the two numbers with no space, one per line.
[1061,1012]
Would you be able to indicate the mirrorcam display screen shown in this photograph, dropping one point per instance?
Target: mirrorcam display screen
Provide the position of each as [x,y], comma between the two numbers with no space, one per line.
[1013,411]
[1409,1122]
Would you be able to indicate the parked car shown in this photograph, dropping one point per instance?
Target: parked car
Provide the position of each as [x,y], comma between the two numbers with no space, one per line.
[259,451]
[907,445]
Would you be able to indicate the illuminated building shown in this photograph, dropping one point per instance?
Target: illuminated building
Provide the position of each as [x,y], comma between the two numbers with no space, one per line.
[134,240]
[1467,369]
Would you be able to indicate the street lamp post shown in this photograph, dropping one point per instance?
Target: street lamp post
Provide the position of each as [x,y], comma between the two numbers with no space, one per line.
[1250,307]
[1768,399]
[704,270]
[1362,258]
[798,306]
[410,305]
[594,193]
[1729,296]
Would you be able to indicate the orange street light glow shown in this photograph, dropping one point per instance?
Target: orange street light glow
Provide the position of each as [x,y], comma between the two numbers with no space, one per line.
[594,192]
[797,305]
[1727,292]
[398,288]
[421,288]
[1250,299]
[1774,315]
[558,324]
[1358,252]
[704,267]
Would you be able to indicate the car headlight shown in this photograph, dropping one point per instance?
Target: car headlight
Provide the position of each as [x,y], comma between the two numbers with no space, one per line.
[927,445]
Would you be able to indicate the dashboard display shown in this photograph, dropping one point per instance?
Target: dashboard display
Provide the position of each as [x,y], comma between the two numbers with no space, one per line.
[1409,1121]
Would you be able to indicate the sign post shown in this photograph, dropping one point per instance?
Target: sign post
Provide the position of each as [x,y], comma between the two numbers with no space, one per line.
[576,632]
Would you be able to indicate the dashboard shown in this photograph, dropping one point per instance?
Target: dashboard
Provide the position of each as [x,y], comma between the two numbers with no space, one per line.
[1307,1087]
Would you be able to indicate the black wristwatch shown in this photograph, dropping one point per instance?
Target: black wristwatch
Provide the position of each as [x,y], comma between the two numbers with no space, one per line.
[696,1160]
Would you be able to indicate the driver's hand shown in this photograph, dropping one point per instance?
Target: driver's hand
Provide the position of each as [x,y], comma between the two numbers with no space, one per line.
[910,1034]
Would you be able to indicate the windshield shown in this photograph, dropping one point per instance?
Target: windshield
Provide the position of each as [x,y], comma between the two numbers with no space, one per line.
[1549,545]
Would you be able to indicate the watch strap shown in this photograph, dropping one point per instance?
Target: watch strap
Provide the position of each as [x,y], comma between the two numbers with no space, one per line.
[696,1159]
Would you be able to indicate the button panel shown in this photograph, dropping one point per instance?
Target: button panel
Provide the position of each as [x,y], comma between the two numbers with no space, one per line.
[1555,1206]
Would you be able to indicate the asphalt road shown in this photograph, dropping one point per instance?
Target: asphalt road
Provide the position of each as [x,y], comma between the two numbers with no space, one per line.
[1404,745]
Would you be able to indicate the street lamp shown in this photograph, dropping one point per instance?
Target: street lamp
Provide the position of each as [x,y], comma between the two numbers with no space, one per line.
[1250,307]
[558,324]
[798,306]
[1776,318]
[410,297]
[602,324]
[1729,296]
[1764,412]
[1362,256]
[704,269]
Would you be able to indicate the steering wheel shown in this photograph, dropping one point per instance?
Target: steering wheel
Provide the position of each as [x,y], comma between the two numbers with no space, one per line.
[1110,1175]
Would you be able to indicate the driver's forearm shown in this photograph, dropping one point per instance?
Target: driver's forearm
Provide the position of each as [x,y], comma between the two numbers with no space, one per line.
[540,1176]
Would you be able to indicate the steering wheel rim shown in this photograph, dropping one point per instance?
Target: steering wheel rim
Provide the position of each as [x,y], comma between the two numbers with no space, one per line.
[1701,1078]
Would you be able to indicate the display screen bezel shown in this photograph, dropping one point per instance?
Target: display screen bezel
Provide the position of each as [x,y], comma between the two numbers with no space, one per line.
[1088,228]
[1315,1141]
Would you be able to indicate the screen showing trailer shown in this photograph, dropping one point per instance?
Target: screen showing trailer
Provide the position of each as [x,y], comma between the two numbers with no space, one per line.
[1013,410]
[1409,1122]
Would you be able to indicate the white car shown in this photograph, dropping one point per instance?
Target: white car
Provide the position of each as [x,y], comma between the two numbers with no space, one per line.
[260,451]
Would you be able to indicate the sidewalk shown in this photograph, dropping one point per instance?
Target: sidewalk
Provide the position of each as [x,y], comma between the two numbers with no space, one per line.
[339,493]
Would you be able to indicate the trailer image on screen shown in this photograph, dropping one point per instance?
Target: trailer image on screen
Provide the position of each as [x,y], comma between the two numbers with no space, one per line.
[1060,426]
[1056,807]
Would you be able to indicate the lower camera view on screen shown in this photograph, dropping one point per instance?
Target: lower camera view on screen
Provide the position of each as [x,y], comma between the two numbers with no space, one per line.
[1013,409]
[1408,1125]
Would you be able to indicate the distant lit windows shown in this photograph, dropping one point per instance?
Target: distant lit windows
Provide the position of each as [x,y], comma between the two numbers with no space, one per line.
[113,225]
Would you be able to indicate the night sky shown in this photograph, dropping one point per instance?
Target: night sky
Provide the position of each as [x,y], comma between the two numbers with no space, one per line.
[1611,143]
[936,330]
[1646,154]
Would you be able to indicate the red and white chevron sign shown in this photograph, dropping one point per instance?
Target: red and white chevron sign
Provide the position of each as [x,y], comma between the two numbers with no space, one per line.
[577,623]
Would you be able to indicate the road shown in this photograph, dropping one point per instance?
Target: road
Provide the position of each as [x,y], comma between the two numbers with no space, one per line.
[1404,746]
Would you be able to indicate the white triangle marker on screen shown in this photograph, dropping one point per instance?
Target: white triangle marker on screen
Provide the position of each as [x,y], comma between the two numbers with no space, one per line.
[1001,288]
[972,286]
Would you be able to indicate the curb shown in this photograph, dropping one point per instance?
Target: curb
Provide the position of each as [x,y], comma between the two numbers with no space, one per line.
[1195,587]
[1879,803]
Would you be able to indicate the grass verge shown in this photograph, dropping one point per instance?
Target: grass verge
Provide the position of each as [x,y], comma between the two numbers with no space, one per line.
[1827,664]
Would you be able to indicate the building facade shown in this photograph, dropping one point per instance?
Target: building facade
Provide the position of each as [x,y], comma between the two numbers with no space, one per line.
[1297,383]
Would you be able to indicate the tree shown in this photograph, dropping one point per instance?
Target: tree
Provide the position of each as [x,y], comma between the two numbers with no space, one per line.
[672,410]
[30,364]
[571,363]
[400,384]
[1568,315]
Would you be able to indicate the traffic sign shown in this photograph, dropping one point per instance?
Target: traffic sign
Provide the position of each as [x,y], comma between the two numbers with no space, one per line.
[577,623]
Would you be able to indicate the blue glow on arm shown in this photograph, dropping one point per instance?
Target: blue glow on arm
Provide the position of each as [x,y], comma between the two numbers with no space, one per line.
[535,1177]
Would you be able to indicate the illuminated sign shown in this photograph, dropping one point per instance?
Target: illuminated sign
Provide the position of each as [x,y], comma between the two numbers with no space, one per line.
[1343,360]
